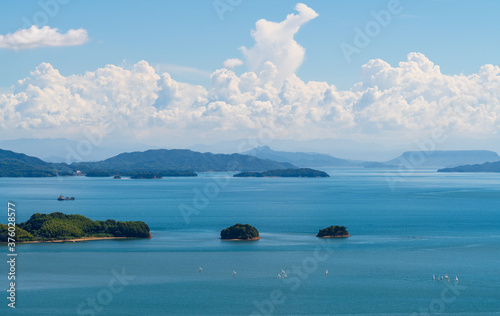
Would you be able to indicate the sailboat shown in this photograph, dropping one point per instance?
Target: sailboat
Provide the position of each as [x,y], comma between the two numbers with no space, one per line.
[200,269]
[234,273]
[326,272]
[279,276]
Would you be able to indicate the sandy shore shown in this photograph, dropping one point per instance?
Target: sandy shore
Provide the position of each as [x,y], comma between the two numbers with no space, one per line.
[252,239]
[344,236]
[68,240]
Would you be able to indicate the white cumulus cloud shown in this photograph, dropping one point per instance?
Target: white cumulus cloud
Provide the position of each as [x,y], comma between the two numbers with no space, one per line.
[275,43]
[42,37]
[397,100]
[232,63]
[411,97]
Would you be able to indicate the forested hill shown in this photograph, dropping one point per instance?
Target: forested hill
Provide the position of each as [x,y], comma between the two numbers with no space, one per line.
[20,165]
[179,159]
[485,167]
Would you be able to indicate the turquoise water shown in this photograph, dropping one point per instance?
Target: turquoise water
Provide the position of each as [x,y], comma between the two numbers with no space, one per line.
[426,223]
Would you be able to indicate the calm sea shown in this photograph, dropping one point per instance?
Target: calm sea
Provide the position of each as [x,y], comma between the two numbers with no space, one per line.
[404,227]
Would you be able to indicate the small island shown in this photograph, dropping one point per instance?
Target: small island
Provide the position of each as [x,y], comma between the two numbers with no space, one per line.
[333,232]
[296,173]
[160,175]
[240,232]
[59,227]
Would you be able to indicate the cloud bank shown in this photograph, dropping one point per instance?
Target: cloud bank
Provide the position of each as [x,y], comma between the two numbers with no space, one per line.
[406,99]
[42,37]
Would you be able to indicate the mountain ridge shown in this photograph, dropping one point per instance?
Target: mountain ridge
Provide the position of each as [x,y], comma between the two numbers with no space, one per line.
[181,159]
[300,159]
[485,167]
[443,158]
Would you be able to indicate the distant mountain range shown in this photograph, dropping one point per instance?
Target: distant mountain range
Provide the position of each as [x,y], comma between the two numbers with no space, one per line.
[413,159]
[300,159]
[260,159]
[152,161]
[180,159]
[485,167]
[443,158]
[335,147]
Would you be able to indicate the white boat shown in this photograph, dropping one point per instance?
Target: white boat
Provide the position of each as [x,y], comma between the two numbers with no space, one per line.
[234,273]
[326,272]
[433,277]
[283,271]
[456,279]
[200,269]
[279,276]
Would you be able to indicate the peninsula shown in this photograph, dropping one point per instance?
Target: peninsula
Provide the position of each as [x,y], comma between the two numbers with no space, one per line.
[485,167]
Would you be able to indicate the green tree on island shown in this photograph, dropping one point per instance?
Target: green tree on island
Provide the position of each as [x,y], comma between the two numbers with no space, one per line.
[21,234]
[333,231]
[59,226]
[240,231]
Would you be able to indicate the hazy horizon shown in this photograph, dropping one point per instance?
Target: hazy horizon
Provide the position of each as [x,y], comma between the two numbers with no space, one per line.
[56,149]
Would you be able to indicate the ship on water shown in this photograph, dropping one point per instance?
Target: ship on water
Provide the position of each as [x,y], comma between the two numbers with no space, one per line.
[63,198]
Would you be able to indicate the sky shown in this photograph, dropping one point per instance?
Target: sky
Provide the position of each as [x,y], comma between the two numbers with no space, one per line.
[178,73]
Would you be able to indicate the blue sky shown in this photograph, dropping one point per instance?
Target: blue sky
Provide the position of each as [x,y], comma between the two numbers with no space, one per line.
[174,73]
[460,36]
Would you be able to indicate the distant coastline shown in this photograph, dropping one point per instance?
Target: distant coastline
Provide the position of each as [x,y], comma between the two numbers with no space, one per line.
[285,173]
